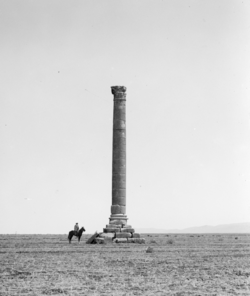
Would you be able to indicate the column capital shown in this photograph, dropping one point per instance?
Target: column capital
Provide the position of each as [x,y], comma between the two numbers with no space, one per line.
[119,91]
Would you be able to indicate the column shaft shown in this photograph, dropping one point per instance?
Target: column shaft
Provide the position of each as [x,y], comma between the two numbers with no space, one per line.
[118,208]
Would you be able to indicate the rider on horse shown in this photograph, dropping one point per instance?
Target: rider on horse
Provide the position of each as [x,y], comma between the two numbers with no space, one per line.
[76,229]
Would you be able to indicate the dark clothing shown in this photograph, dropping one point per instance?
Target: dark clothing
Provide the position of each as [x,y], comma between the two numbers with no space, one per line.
[76,229]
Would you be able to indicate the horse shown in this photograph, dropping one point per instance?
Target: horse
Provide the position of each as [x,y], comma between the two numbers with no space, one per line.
[78,235]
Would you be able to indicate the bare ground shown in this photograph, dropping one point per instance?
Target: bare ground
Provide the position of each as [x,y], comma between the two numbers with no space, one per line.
[180,264]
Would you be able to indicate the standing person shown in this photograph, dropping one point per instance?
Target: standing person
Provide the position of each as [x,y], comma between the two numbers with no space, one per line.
[76,228]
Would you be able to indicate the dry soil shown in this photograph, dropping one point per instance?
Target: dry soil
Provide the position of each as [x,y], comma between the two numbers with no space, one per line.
[180,264]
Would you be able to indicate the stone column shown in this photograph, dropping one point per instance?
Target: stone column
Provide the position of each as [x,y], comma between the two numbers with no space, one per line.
[118,208]
[117,229]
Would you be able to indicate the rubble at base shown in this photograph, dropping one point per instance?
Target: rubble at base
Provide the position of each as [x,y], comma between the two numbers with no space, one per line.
[116,234]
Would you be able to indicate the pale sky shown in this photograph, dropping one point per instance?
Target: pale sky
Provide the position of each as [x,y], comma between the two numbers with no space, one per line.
[186,66]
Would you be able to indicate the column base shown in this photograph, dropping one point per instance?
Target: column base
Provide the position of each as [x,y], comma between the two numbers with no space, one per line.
[118,219]
[116,223]
[120,232]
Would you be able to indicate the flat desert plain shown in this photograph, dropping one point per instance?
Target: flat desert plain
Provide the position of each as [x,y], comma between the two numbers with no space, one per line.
[180,264]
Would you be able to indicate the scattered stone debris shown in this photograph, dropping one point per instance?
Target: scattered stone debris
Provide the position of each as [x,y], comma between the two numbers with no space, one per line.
[153,241]
[149,250]
[170,241]
[99,240]
[238,272]
[119,233]
[92,238]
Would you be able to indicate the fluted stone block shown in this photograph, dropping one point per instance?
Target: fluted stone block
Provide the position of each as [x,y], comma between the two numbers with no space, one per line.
[119,181]
[119,200]
[121,106]
[116,209]
[119,177]
[136,235]
[120,162]
[120,138]
[119,184]
[119,148]
[119,111]
[119,170]
[120,142]
[120,123]
[119,154]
